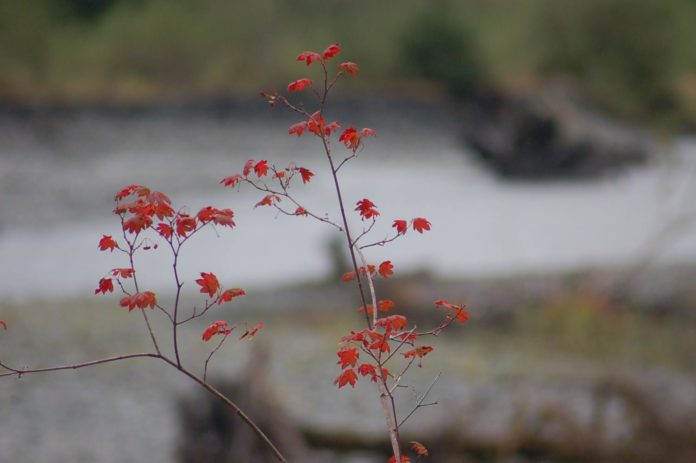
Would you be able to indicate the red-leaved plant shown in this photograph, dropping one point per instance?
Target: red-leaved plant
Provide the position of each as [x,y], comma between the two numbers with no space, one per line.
[382,351]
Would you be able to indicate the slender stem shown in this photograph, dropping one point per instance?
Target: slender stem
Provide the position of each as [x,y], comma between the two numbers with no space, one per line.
[421,399]
[19,372]
[175,323]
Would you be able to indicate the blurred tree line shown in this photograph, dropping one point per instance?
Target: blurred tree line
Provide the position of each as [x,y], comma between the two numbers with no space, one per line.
[636,58]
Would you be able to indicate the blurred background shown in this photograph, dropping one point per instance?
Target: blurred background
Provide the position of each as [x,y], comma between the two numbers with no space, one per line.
[549,142]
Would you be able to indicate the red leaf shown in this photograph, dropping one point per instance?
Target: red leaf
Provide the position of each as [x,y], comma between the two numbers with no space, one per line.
[392,323]
[419,352]
[299,85]
[106,242]
[367,132]
[350,138]
[261,168]
[419,448]
[232,180]
[251,333]
[185,225]
[230,294]
[268,200]
[404,459]
[129,190]
[309,57]
[301,211]
[209,284]
[221,217]
[248,166]
[349,68]
[123,272]
[331,51]
[165,230]
[349,276]
[385,305]
[366,209]
[218,327]
[140,300]
[306,174]
[420,224]
[4,325]
[347,377]
[347,357]
[137,223]
[386,269]
[106,285]
[401,227]
[367,369]
[298,128]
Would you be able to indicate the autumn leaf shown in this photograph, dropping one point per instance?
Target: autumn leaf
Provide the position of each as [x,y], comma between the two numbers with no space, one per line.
[347,377]
[268,200]
[366,209]
[331,51]
[370,310]
[131,189]
[106,242]
[261,168]
[185,224]
[299,85]
[349,68]
[301,211]
[122,272]
[297,129]
[252,332]
[309,57]
[232,180]
[230,294]
[404,459]
[401,226]
[137,223]
[209,284]
[347,357]
[4,325]
[165,230]
[106,285]
[306,174]
[367,369]
[385,305]
[420,224]
[419,448]
[221,217]
[248,166]
[386,269]
[419,352]
[392,323]
[140,300]
[348,276]
[217,327]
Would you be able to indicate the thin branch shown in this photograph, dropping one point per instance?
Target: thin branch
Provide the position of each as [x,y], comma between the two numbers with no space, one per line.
[421,399]
[20,372]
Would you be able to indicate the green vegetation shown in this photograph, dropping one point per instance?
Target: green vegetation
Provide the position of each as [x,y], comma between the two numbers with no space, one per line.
[636,58]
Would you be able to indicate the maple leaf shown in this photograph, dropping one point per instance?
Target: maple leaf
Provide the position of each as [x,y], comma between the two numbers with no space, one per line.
[185,224]
[367,369]
[379,342]
[316,123]
[309,57]
[301,211]
[106,285]
[232,180]
[4,325]
[252,332]
[122,272]
[370,309]
[140,300]
[230,294]
[165,230]
[131,189]
[299,85]
[217,327]
[350,138]
[366,209]
[349,68]
[347,357]
[420,224]
[349,276]
[331,51]
[392,323]
[209,284]
[419,352]
[386,269]
[347,377]
[419,448]
[248,166]
[137,223]
[106,242]
[330,128]
[298,128]
[401,226]
[306,174]
[367,132]
[385,305]
[261,168]
[268,200]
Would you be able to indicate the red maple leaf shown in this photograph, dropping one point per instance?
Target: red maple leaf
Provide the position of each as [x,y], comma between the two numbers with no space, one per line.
[123,272]
[137,223]
[347,357]
[268,200]
[401,226]
[209,284]
[232,180]
[366,208]
[309,57]
[140,300]
[419,448]
[347,377]
[230,294]
[261,168]
[106,242]
[298,128]
[165,230]
[419,352]
[349,68]
[392,323]
[301,211]
[4,325]
[299,85]
[106,285]
[404,459]
[252,332]
[385,305]
[306,174]
[386,269]
[217,327]
[331,51]
[248,166]
[420,224]
[185,224]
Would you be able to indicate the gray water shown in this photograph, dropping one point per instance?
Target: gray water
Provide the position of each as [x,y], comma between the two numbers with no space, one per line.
[59,171]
